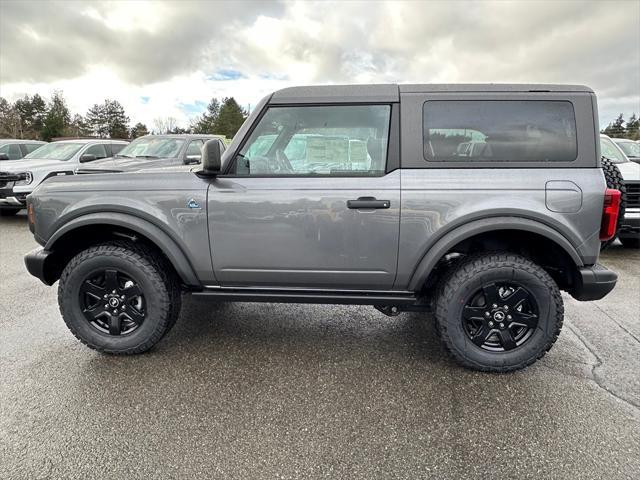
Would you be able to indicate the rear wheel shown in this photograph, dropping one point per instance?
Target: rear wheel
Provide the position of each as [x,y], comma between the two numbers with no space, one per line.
[498,312]
[118,298]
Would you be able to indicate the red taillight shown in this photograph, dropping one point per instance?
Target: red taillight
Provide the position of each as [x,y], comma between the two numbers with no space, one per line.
[610,211]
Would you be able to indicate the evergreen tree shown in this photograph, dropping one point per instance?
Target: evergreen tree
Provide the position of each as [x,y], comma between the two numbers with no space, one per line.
[78,127]
[230,119]
[57,119]
[97,121]
[108,120]
[9,120]
[139,130]
[117,120]
[633,128]
[206,122]
[616,129]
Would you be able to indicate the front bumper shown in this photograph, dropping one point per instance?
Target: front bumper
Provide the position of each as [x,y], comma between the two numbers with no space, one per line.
[40,264]
[593,283]
[13,201]
[630,223]
[9,198]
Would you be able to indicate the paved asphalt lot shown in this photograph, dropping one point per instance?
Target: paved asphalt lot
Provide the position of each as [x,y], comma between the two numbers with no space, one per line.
[280,391]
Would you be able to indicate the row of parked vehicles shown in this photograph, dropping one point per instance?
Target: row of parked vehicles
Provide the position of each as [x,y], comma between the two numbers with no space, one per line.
[24,164]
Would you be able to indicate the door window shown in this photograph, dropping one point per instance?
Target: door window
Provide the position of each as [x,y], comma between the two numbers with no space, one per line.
[12,150]
[98,150]
[321,140]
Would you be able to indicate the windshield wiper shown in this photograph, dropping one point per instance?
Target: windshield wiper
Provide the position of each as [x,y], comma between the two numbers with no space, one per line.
[147,156]
[122,156]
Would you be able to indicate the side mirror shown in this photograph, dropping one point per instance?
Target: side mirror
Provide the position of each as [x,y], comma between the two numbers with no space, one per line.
[192,159]
[211,154]
[4,156]
[87,157]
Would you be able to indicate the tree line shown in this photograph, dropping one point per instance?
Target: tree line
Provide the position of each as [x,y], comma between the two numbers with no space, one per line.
[31,117]
[621,128]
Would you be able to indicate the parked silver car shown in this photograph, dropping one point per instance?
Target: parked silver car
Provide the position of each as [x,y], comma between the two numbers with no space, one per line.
[18,178]
[15,149]
[630,148]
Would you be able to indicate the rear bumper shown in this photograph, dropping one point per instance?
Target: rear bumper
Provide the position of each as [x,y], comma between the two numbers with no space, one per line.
[594,283]
[37,262]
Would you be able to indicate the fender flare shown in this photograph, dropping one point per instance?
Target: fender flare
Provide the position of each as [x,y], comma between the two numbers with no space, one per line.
[436,251]
[145,228]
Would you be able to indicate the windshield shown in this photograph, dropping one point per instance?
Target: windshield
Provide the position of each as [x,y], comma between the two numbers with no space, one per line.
[146,147]
[609,150]
[56,151]
[631,149]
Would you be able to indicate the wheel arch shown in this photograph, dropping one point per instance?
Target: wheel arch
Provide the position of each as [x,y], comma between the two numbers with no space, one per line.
[93,228]
[492,227]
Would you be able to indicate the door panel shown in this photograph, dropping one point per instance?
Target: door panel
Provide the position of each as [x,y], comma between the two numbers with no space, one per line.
[299,231]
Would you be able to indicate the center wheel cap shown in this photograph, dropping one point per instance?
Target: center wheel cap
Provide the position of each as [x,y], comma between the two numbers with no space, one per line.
[114,302]
[499,316]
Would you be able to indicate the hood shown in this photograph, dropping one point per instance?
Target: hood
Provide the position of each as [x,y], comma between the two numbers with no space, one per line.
[125,164]
[31,164]
[630,171]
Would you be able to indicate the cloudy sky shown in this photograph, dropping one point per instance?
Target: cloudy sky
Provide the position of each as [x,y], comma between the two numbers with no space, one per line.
[168,59]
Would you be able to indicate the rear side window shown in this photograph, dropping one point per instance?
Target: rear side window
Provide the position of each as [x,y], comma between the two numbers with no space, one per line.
[12,150]
[499,131]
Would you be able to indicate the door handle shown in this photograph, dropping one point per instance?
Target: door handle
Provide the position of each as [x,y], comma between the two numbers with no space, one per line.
[367,203]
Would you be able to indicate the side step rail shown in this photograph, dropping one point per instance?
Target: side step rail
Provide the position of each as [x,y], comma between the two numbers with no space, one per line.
[354,297]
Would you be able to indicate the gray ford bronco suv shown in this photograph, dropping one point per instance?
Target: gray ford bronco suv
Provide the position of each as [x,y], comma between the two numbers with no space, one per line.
[479,203]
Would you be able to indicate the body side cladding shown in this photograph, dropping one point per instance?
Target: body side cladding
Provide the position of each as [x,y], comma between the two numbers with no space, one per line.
[436,251]
[154,233]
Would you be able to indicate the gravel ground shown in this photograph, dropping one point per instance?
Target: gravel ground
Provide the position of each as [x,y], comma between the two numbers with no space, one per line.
[296,391]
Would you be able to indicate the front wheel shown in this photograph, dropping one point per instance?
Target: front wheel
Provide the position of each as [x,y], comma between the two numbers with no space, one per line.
[498,312]
[118,298]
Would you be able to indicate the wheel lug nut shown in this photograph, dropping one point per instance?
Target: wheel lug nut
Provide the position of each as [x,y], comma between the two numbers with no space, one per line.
[502,325]
[106,306]
[506,307]
[491,324]
[105,296]
[122,307]
[494,305]
[487,314]
[113,291]
[508,317]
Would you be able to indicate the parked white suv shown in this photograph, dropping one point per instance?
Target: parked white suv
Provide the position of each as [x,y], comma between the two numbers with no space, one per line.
[629,231]
[18,178]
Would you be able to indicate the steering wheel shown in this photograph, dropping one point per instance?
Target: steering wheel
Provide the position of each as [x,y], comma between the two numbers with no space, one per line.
[283,163]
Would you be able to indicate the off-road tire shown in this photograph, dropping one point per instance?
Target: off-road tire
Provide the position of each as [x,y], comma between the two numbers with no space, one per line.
[157,281]
[469,275]
[614,180]
[9,212]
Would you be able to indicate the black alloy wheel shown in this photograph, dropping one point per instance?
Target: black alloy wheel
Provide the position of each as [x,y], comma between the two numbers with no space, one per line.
[112,302]
[500,316]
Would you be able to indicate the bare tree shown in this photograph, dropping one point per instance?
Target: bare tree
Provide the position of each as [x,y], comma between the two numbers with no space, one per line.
[162,125]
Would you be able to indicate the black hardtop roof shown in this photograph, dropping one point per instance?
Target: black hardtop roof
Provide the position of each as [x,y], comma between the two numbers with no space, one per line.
[391,92]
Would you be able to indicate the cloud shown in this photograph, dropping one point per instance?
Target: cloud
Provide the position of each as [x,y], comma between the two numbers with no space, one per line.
[165,58]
